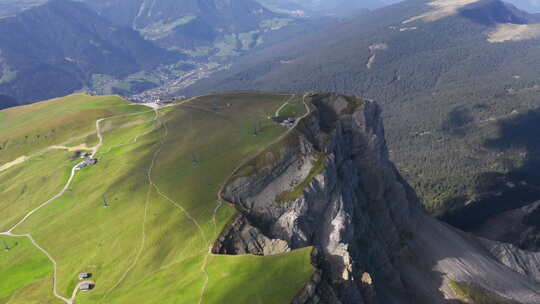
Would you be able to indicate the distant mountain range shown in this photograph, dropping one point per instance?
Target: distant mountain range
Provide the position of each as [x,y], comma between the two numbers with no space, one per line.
[52,48]
[329,7]
[12,7]
[194,24]
[350,7]
[458,82]
[62,46]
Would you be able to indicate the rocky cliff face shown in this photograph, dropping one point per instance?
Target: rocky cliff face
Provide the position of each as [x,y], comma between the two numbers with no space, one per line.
[329,184]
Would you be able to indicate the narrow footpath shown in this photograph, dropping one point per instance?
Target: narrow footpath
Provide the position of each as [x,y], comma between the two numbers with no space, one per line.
[74,170]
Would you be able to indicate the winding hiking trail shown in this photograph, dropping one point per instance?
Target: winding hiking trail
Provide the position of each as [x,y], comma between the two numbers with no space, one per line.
[284,105]
[143,238]
[29,214]
[17,161]
[70,149]
[10,233]
[218,206]
[187,214]
[152,185]
[95,149]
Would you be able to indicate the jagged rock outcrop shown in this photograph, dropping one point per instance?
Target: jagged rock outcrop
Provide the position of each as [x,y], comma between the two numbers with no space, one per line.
[522,261]
[329,184]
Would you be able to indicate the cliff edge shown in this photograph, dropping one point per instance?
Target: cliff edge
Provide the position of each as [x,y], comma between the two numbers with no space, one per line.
[329,183]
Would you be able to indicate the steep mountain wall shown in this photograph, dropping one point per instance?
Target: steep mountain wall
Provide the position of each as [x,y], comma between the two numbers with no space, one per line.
[329,184]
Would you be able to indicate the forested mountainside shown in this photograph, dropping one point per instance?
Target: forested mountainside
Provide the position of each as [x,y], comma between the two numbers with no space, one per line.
[458,83]
[203,27]
[330,7]
[194,24]
[150,209]
[330,184]
[7,101]
[345,7]
[62,46]
[130,47]
[209,31]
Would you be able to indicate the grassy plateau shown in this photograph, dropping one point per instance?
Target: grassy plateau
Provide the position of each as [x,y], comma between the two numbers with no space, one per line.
[144,218]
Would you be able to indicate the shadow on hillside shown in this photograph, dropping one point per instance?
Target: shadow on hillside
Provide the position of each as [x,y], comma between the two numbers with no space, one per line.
[491,14]
[521,132]
[435,255]
[457,123]
[497,191]
[7,102]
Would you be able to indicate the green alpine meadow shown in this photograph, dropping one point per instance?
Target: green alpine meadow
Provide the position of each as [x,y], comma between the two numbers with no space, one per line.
[142,220]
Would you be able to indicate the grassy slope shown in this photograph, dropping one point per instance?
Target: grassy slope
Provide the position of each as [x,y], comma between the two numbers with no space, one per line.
[169,263]
[294,108]
[22,267]
[28,129]
[470,294]
[26,189]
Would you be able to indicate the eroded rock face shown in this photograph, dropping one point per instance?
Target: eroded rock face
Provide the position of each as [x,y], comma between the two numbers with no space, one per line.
[329,184]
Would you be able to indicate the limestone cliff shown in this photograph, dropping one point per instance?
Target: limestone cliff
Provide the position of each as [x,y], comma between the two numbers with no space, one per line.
[329,184]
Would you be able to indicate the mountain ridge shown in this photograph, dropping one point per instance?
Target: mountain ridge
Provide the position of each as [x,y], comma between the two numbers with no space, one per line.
[309,213]
[204,17]
[54,49]
[412,69]
[139,49]
[356,198]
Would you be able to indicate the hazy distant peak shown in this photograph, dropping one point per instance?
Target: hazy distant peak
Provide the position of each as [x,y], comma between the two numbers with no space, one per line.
[327,7]
[511,24]
[442,9]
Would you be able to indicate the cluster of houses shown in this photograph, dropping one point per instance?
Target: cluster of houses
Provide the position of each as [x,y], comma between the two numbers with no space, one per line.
[86,286]
[164,101]
[285,121]
[87,162]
